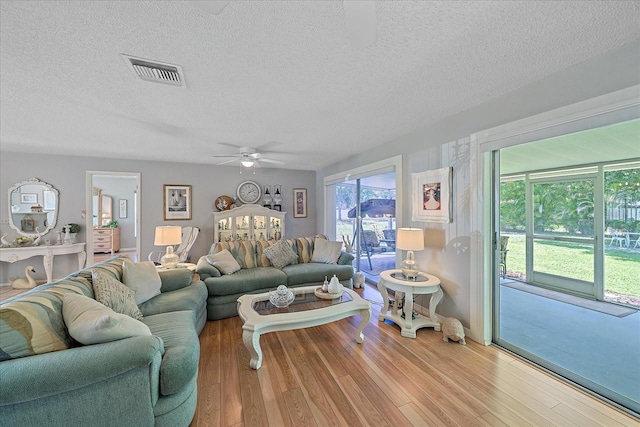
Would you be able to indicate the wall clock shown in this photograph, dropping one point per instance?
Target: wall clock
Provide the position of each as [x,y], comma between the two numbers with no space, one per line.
[249,192]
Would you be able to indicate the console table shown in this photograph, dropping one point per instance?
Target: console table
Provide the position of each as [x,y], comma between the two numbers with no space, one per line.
[47,252]
[425,284]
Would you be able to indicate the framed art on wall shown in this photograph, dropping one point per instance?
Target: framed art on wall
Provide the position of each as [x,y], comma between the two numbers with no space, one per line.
[299,202]
[123,208]
[177,201]
[49,200]
[431,196]
[29,198]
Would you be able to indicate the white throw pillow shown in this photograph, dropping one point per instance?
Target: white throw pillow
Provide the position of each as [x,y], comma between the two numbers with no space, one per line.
[142,278]
[326,251]
[280,254]
[224,261]
[90,322]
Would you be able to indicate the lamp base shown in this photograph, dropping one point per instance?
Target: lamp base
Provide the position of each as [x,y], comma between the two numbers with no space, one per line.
[409,267]
[169,260]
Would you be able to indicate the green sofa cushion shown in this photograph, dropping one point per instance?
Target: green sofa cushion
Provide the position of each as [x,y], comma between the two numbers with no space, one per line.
[32,323]
[181,349]
[316,272]
[175,278]
[193,297]
[246,281]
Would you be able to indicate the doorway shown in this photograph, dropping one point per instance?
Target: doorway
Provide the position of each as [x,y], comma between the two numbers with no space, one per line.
[549,289]
[112,201]
[362,203]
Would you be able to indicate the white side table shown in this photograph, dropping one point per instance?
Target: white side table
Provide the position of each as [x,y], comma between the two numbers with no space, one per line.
[424,285]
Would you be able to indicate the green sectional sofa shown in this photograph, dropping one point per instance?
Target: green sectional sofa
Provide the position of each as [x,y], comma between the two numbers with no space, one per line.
[49,379]
[257,274]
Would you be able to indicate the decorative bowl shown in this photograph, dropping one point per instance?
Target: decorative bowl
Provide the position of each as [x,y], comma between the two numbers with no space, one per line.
[282,296]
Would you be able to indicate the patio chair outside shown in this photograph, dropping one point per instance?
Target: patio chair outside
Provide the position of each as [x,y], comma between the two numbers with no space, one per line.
[369,244]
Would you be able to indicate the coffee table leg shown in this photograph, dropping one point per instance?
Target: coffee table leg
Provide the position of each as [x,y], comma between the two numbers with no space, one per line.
[366,316]
[251,340]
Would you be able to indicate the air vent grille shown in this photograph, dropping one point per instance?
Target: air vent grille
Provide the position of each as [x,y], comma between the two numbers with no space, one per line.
[154,71]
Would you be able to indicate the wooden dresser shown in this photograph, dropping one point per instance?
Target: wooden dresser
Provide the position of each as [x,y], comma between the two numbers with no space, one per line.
[106,240]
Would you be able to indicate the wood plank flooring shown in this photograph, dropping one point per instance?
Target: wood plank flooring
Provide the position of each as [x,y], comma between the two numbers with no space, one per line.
[320,376]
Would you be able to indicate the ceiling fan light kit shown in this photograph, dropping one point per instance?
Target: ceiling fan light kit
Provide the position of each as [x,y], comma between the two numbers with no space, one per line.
[247,157]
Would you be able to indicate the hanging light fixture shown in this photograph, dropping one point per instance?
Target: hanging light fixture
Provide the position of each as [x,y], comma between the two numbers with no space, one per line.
[246,161]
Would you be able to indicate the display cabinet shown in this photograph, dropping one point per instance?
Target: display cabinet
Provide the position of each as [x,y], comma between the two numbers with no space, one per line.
[248,222]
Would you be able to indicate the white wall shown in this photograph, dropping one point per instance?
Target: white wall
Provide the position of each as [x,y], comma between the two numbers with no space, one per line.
[68,175]
[451,247]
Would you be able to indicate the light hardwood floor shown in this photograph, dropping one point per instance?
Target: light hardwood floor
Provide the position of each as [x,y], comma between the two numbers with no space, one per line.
[319,377]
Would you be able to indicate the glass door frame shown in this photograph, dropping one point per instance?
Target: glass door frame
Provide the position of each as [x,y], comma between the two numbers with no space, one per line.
[594,289]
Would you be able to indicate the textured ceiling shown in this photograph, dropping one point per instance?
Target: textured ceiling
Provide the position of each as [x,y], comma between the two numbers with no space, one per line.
[277,73]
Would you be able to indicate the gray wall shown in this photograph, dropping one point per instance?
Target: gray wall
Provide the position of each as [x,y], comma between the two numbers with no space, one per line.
[68,175]
[446,143]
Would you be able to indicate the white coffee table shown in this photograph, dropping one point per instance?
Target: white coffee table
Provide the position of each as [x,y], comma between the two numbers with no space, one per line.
[307,310]
[425,284]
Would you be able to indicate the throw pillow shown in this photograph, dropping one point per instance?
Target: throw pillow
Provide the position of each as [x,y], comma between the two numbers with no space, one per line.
[90,322]
[142,278]
[115,295]
[280,254]
[326,251]
[224,261]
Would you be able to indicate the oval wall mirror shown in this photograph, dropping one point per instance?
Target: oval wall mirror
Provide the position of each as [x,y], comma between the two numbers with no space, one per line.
[33,207]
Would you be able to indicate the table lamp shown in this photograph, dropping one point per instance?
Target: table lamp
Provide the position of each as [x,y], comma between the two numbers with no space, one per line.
[168,235]
[410,239]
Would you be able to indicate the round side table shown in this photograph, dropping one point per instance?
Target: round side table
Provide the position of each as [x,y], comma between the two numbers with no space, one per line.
[425,284]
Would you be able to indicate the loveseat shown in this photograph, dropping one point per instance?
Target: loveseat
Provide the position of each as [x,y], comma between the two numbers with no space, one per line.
[258,274]
[48,378]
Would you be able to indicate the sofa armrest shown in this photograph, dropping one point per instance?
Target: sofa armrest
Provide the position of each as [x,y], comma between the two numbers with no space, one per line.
[205,270]
[345,258]
[174,279]
[43,375]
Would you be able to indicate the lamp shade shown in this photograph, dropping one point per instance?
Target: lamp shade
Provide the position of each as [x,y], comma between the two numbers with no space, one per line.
[410,239]
[168,235]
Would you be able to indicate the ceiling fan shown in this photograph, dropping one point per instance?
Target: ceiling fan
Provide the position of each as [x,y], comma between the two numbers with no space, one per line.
[247,157]
[359,16]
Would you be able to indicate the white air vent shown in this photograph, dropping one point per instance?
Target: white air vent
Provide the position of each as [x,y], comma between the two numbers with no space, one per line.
[154,71]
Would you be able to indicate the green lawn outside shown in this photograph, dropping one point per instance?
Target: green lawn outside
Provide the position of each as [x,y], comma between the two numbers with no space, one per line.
[621,267]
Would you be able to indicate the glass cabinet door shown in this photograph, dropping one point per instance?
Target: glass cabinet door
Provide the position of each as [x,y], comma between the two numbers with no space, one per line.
[225,230]
[260,227]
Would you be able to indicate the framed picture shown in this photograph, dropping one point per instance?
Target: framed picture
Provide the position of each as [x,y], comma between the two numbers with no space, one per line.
[299,202]
[431,197]
[177,201]
[49,200]
[123,208]
[29,198]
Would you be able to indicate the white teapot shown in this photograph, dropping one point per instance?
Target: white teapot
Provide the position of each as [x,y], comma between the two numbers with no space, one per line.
[335,287]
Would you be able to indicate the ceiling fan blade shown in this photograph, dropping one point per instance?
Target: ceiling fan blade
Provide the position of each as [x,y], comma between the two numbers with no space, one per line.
[226,162]
[360,18]
[229,145]
[229,155]
[211,6]
[275,162]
